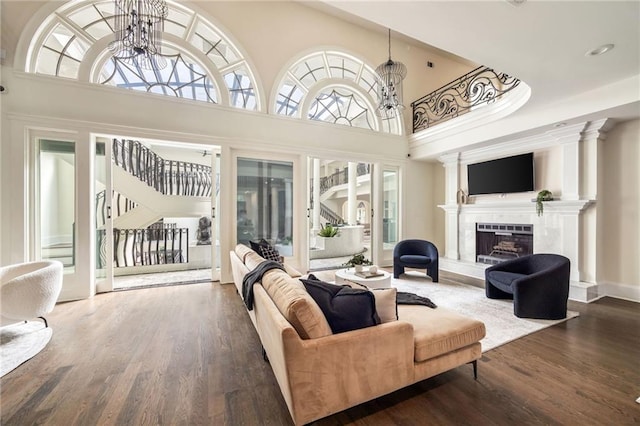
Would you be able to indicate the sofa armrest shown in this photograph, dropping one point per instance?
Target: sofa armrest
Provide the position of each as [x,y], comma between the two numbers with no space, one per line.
[319,377]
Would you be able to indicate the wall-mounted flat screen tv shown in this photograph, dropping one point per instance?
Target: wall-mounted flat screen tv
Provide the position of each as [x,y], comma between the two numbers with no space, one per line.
[502,176]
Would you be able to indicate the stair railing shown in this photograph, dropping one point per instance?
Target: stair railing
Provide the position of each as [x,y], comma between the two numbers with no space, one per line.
[478,87]
[330,216]
[170,177]
[121,205]
[143,247]
[341,177]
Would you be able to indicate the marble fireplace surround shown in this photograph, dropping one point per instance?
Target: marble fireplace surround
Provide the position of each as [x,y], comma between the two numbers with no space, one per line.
[562,229]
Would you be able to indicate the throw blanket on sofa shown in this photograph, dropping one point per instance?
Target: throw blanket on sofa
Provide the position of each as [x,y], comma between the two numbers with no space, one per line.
[253,277]
[403,298]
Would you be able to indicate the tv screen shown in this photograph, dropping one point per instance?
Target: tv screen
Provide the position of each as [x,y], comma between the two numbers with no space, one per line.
[501,176]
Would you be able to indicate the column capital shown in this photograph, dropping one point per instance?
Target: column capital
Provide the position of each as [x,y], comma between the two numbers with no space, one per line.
[449,159]
[597,129]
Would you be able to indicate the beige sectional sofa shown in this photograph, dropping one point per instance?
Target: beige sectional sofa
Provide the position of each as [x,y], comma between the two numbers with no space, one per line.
[321,373]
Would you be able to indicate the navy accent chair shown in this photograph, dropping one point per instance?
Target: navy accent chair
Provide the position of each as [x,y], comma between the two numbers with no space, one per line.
[418,254]
[537,283]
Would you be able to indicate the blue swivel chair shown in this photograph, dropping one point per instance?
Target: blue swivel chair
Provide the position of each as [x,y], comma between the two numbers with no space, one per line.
[418,254]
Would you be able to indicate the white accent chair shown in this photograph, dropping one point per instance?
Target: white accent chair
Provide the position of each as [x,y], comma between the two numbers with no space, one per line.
[29,290]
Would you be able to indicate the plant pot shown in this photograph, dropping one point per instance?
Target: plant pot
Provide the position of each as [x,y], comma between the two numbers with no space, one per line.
[359,268]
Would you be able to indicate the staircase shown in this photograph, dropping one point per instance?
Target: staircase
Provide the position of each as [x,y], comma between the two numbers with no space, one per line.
[330,216]
[150,188]
[329,185]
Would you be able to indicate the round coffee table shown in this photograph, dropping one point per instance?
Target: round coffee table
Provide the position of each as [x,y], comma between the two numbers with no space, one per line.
[381,281]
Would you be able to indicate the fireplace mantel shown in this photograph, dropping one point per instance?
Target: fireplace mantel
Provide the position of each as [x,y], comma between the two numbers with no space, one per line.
[556,231]
[555,206]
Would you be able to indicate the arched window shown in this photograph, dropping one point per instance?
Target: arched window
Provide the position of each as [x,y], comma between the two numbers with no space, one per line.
[334,87]
[202,63]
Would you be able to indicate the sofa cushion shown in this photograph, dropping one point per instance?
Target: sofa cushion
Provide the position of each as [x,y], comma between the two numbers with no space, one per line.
[242,251]
[296,305]
[386,305]
[439,331]
[293,272]
[252,260]
[504,280]
[344,307]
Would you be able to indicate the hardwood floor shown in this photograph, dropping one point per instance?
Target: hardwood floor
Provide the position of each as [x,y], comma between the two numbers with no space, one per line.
[189,355]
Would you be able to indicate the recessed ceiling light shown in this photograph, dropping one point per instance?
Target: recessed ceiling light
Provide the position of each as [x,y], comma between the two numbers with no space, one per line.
[558,125]
[599,50]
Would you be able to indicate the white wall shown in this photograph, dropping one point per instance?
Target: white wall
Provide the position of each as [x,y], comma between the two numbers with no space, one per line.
[620,224]
[423,191]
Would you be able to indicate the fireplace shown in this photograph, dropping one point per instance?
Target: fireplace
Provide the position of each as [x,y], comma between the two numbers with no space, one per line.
[497,242]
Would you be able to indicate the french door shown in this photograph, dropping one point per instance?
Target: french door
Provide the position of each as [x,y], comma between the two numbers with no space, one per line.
[339,212]
[155,213]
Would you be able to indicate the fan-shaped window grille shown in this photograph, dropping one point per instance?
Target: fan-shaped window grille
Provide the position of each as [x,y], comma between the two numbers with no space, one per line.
[200,59]
[344,90]
[342,107]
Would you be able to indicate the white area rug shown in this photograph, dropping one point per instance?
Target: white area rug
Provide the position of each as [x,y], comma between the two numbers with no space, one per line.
[501,324]
[20,342]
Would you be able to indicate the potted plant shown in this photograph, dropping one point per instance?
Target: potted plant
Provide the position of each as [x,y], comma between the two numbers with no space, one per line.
[357,261]
[328,231]
[544,195]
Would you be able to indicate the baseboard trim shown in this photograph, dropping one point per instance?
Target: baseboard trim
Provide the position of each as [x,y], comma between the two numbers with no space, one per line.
[620,291]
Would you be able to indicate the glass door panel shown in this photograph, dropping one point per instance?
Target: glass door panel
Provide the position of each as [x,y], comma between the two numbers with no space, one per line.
[265,203]
[390,214]
[390,205]
[56,201]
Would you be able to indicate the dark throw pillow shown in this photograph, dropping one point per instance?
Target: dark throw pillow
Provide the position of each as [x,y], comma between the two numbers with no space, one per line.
[269,252]
[266,250]
[255,246]
[344,307]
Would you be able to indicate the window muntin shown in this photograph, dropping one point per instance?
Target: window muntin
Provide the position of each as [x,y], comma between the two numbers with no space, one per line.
[240,89]
[289,98]
[211,43]
[341,107]
[74,27]
[319,73]
[61,53]
[180,78]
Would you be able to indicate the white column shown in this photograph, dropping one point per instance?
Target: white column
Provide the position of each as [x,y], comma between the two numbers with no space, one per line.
[352,194]
[451,208]
[570,170]
[593,136]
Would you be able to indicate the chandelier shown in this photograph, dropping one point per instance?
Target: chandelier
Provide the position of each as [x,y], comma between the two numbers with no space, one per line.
[390,75]
[138,28]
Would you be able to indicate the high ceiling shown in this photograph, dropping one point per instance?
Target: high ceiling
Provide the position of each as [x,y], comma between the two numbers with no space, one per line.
[541,42]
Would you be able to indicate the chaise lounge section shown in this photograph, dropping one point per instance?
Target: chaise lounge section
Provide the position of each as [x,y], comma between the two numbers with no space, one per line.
[321,373]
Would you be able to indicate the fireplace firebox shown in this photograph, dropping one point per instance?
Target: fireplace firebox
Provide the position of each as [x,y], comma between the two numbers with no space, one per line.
[497,242]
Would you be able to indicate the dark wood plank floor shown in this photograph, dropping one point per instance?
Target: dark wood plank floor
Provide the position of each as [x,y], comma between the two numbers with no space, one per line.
[189,355]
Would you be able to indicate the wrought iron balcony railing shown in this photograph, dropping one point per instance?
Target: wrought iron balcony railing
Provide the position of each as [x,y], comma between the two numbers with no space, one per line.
[478,87]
